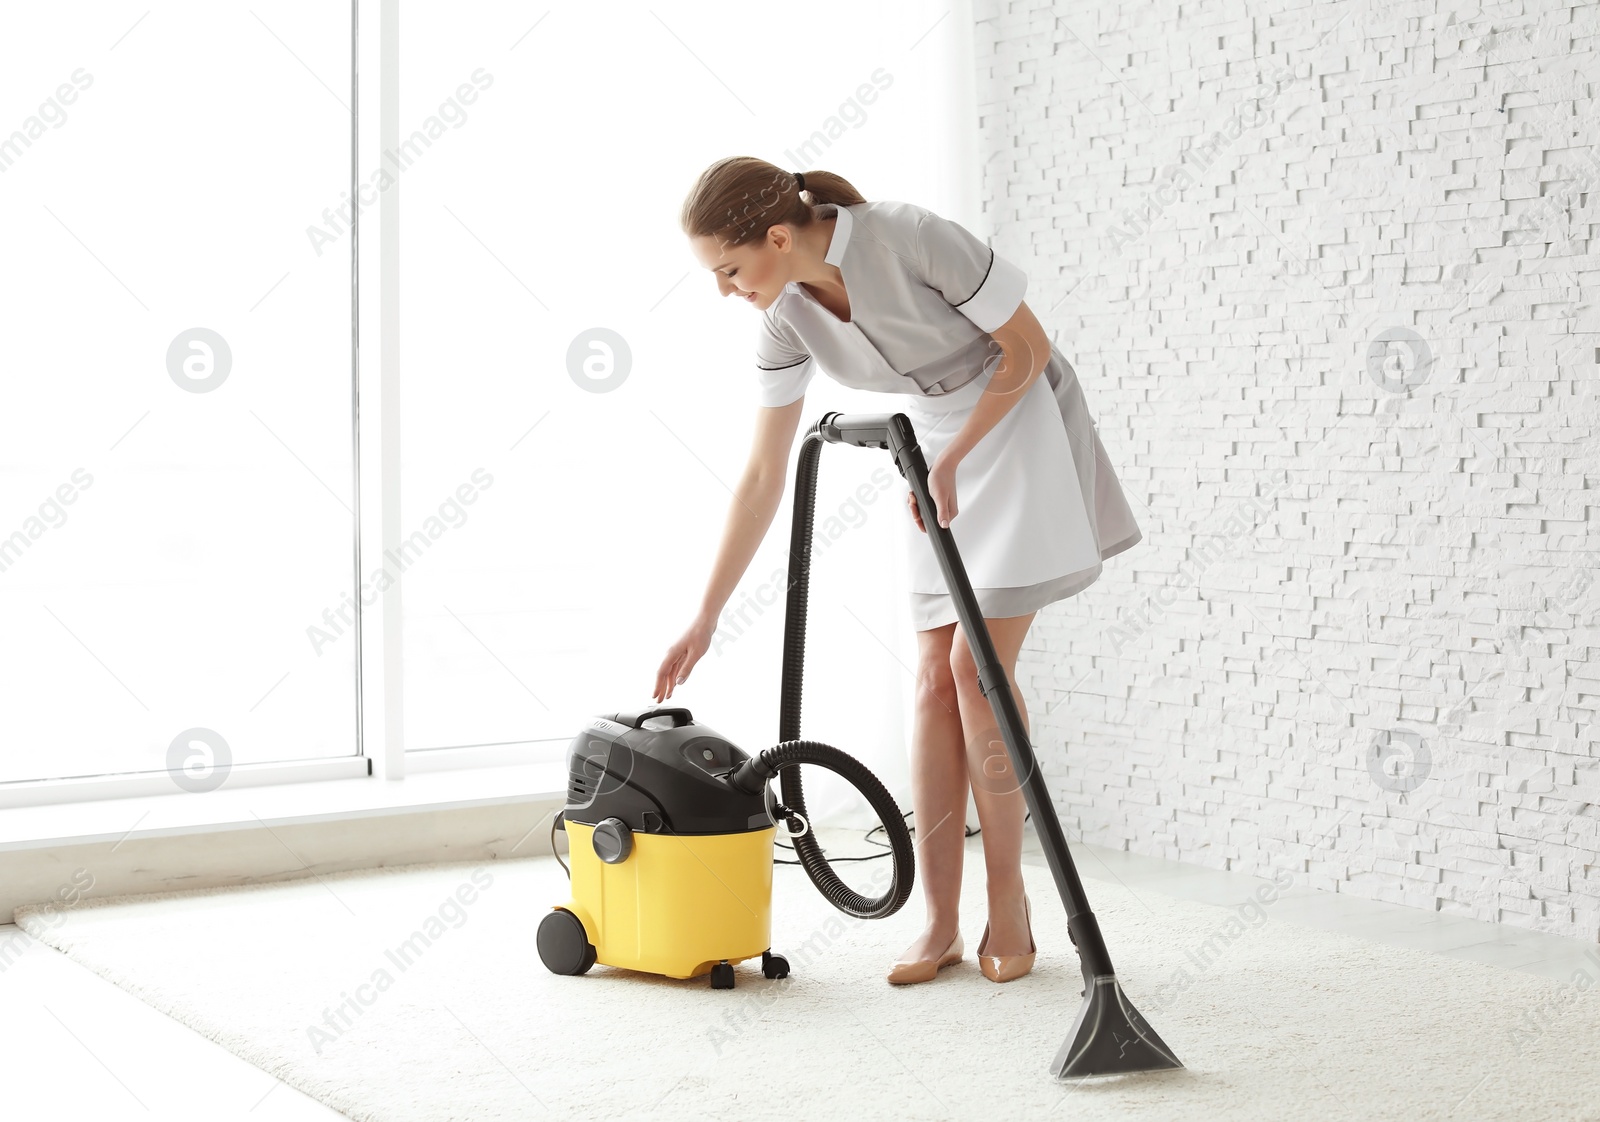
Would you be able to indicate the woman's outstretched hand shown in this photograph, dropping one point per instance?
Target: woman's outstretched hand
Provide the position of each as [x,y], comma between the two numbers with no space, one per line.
[682,656]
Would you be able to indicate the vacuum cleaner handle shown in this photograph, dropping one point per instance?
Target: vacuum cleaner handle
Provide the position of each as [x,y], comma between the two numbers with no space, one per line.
[1109,1036]
[864,430]
[635,718]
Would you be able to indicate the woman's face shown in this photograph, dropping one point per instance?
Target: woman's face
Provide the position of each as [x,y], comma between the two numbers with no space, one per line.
[755,272]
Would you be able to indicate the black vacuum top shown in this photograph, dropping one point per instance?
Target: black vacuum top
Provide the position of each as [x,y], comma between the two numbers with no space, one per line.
[661,773]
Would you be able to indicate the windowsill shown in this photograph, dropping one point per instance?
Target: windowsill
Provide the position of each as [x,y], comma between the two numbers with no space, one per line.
[329,800]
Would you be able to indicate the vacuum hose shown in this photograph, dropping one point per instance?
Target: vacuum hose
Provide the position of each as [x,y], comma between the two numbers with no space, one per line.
[792,751]
[754,773]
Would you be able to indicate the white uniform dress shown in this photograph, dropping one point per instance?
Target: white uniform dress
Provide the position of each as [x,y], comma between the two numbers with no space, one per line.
[1038,506]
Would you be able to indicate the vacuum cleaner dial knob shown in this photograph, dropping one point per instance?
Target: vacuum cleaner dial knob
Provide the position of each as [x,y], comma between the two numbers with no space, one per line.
[613,840]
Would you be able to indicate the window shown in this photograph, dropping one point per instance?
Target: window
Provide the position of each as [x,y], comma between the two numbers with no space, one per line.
[545,415]
[178,513]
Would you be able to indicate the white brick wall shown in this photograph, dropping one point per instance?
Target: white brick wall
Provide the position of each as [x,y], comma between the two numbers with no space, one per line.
[1352,547]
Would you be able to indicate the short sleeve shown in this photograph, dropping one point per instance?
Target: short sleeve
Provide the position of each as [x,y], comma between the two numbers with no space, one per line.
[783,367]
[977,281]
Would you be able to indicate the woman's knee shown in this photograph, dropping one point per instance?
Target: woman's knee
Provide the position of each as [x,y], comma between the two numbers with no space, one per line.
[1005,635]
[963,667]
[935,686]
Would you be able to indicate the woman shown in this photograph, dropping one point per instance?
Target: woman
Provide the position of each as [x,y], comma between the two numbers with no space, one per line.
[890,297]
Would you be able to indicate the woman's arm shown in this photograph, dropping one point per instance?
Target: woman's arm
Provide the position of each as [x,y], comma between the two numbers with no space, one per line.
[755,502]
[1025,352]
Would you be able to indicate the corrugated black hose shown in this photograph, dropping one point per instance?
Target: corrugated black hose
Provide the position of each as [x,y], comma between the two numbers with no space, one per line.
[791,751]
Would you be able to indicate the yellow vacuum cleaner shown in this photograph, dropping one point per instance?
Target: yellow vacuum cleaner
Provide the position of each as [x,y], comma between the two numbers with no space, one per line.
[671,842]
[670,826]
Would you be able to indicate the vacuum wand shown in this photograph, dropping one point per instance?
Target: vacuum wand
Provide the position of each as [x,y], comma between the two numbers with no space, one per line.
[1109,1035]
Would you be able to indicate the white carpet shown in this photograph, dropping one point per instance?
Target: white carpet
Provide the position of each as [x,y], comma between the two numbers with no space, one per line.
[1274,1020]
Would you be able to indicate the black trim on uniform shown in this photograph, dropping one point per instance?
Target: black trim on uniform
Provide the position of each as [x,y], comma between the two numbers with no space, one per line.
[981,283]
[795,363]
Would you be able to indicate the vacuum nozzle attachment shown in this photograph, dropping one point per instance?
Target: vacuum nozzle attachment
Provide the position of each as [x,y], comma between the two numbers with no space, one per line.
[1110,1037]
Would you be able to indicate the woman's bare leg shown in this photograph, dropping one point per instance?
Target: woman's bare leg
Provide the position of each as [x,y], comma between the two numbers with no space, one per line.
[938,792]
[996,786]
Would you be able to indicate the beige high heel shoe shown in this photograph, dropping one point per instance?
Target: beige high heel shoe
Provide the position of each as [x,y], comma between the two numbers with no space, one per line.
[923,969]
[1006,967]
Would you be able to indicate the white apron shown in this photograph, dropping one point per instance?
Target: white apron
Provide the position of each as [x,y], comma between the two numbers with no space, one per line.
[1035,500]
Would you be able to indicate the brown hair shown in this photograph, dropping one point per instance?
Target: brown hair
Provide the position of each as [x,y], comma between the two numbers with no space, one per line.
[739,198]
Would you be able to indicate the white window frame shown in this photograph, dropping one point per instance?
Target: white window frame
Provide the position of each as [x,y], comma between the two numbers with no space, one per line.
[375,408]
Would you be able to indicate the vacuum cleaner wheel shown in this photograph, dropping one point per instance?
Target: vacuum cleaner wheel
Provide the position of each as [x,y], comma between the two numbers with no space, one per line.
[564,946]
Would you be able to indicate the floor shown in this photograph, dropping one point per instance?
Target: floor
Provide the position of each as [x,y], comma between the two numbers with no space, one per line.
[1395,925]
[70,1034]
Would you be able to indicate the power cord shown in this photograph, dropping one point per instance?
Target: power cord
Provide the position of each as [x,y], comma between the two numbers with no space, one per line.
[868,838]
